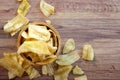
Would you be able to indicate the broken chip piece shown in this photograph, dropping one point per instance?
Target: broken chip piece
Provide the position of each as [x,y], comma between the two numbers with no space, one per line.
[84,77]
[69,46]
[78,70]
[87,52]
[68,59]
[62,72]
[46,8]
[24,7]
[14,25]
[32,73]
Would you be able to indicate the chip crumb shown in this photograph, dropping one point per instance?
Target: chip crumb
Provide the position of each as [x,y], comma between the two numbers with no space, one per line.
[78,70]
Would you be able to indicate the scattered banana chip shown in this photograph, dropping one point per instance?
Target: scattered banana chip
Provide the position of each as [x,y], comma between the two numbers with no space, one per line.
[46,8]
[32,73]
[9,61]
[48,69]
[88,52]
[38,47]
[84,77]
[11,75]
[14,25]
[24,7]
[68,59]
[78,70]
[62,73]
[69,46]
[38,32]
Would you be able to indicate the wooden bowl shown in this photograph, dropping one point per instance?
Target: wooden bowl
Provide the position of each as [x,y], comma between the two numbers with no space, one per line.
[20,39]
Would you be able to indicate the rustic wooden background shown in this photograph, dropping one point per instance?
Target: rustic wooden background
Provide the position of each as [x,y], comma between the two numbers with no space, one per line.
[87,21]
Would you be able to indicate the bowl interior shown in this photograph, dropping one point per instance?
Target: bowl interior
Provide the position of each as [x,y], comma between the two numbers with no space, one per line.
[20,39]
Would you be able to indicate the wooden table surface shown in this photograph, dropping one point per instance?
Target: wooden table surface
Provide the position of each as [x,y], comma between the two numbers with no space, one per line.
[96,22]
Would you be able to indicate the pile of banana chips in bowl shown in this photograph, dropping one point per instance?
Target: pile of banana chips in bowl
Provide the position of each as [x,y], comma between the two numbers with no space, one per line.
[39,43]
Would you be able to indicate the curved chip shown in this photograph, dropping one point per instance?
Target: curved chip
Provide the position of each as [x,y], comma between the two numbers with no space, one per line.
[14,25]
[69,46]
[24,7]
[68,59]
[46,8]
[38,32]
[88,52]
[38,47]
[78,70]
[62,73]
[47,60]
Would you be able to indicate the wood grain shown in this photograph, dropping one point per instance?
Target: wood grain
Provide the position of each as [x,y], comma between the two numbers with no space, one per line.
[96,22]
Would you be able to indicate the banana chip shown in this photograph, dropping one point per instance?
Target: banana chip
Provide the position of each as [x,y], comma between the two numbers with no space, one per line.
[14,25]
[52,49]
[11,75]
[9,61]
[88,52]
[23,8]
[38,32]
[78,70]
[46,8]
[38,47]
[68,59]
[69,46]
[47,60]
[44,69]
[62,73]
[32,73]
[32,56]
[84,77]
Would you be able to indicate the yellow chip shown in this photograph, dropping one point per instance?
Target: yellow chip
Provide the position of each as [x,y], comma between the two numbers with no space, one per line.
[32,73]
[38,32]
[9,61]
[25,35]
[52,49]
[47,60]
[46,8]
[44,69]
[62,73]
[11,75]
[14,25]
[68,59]
[23,8]
[69,46]
[78,70]
[88,52]
[38,47]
